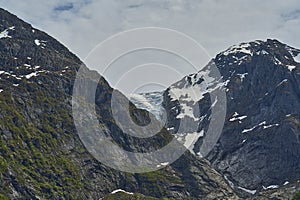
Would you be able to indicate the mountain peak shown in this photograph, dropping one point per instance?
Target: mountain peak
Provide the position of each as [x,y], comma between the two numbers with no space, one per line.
[279,53]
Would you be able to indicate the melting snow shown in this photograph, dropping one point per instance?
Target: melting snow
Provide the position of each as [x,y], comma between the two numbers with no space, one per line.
[120,190]
[186,111]
[193,91]
[162,164]
[291,67]
[269,126]
[237,118]
[37,42]
[242,48]
[248,130]
[247,190]
[283,81]
[262,52]
[4,34]
[191,139]
[242,76]
[235,114]
[277,61]
[230,182]
[270,187]
[285,183]
[297,58]
[171,128]
[28,76]
[1,90]
[260,124]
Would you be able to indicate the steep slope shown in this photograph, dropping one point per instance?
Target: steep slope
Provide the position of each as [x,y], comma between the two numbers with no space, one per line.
[41,155]
[259,146]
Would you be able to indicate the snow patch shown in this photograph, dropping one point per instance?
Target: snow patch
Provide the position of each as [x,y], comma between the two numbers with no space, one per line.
[186,111]
[242,76]
[120,190]
[191,139]
[277,61]
[270,187]
[162,164]
[269,126]
[241,48]
[291,67]
[37,42]
[248,130]
[40,43]
[247,190]
[237,118]
[33,74]
[262,52]
[283,81]
[297,58]
[230,182]
[4,34]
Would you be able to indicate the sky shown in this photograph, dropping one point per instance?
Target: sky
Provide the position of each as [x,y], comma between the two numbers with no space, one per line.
[215,24]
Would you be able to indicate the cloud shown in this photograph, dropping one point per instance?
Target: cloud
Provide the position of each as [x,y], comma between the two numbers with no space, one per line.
[216,24]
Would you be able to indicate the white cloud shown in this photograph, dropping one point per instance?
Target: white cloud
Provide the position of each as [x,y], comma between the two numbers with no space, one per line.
[216,24]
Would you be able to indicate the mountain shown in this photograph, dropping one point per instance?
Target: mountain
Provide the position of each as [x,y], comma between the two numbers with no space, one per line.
[41,154]
[259,146]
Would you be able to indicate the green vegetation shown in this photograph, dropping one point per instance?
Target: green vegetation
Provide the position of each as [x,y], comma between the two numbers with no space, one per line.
[124,196]
[296,196]
[2,197]
[33,151]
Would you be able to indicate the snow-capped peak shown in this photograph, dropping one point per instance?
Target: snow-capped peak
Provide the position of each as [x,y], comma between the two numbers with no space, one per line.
[243,48]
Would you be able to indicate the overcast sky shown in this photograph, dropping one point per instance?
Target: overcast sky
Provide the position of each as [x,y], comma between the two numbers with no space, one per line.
[215,24]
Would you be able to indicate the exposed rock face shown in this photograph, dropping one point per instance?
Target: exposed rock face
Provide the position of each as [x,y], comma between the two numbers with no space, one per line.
[259,145]
[41,155]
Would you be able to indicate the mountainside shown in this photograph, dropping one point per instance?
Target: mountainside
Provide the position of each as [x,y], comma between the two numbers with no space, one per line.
[259,146]
[41,155]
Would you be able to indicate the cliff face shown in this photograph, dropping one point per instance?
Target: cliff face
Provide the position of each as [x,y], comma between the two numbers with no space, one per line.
[41,155]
